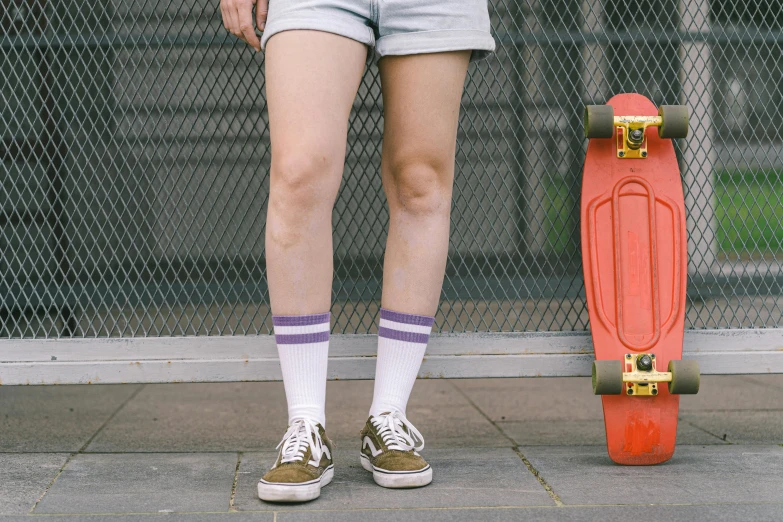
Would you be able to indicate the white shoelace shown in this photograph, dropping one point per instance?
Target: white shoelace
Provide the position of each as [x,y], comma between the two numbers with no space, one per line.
[390,428]
[302,434]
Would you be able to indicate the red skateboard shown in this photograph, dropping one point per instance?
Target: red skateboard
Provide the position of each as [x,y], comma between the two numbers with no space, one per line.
[634,254]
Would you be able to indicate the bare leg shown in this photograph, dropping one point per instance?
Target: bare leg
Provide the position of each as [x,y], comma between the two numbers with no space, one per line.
[311,82]
[421,96]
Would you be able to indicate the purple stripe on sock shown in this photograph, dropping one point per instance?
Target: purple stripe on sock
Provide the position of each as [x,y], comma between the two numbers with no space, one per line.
[300,320]
[408,337]
[318,337]
[418,320]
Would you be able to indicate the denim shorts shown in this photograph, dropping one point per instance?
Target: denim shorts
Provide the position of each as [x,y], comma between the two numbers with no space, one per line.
[392,27]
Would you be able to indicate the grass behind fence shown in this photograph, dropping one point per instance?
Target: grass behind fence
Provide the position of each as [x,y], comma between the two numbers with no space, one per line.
[748,213]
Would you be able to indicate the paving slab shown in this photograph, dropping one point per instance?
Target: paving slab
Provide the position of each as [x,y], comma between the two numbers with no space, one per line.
[540,398]
[461,477]
[253,417]
[560,432]
[718,513]
[24,478]
[197,417]
[571,398]
[714,512]
[731,392]
[696,474]
[741,427]
[774,380]
[142,483]
[436,408]
[53,419]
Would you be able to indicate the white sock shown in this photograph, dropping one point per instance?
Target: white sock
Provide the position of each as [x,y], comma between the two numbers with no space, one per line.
[402,341]
[303,346]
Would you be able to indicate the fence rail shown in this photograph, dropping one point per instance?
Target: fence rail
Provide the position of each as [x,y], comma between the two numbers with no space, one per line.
[743,36]
[251,358]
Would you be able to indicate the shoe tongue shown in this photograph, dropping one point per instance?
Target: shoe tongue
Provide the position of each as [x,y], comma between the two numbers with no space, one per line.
[303,444]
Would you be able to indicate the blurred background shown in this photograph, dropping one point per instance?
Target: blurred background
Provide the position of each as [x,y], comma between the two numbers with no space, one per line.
[135,157]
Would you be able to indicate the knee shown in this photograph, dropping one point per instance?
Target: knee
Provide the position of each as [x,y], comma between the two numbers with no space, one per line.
[299,181]
[303,187]
[420,186]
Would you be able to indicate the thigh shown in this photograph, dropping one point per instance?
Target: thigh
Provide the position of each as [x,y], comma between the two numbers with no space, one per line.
[421,103]
[311,82]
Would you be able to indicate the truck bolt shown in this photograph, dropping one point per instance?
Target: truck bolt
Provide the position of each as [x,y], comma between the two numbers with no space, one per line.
[644,363]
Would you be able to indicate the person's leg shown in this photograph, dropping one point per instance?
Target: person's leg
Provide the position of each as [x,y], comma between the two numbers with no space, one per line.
[421,100]
[311,82]
[421,95]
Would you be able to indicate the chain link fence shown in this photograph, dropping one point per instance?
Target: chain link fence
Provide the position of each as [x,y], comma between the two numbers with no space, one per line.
[135,159]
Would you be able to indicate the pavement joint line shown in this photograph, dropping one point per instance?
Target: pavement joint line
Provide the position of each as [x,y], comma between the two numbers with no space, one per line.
[555,497]
[540,506]
[481,412]
[111,417]
[230,450]
[51,483]
[460,508]
[723,439]
[551,492]
[731,410]
[72,454]
[749,378]
[231,507]
[272,452]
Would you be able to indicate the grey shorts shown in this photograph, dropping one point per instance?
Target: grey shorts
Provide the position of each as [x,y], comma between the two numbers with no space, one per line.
[392,27]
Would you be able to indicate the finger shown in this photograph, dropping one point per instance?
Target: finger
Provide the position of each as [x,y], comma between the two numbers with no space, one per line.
[233,19]
[262,8]
[224,15]
[246,29]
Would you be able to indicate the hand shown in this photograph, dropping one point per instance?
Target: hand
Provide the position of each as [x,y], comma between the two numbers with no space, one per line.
[238,19]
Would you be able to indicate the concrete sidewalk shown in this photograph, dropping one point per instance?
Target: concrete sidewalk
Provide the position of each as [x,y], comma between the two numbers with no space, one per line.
[195,452]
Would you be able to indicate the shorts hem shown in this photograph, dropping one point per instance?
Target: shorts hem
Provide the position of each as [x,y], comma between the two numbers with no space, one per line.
[443,40]
[362,35]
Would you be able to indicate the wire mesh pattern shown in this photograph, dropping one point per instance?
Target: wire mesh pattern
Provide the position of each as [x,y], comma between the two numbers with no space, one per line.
[135,158]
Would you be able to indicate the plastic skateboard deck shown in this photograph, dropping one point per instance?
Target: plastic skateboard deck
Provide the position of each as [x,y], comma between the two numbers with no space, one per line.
[634,252]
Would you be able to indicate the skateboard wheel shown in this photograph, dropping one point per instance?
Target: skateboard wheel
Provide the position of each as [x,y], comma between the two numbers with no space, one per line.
[599,121]
[675,121]
[607,377]
[685,377]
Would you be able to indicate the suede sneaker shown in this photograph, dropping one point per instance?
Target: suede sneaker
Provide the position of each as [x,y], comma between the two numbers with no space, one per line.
[303,466]
[390,446]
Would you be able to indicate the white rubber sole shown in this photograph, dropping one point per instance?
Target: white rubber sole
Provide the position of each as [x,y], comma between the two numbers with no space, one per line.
[397,479]
[279,492]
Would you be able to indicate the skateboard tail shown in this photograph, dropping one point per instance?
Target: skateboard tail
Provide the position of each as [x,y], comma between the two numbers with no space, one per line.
[641,431]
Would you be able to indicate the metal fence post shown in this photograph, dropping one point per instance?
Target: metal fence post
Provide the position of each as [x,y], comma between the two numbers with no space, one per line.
[593,55]
[699,155]
[533,146]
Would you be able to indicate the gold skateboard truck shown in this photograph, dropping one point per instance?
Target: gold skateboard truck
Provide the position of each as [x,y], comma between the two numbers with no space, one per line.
[637,375]
[600,122]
